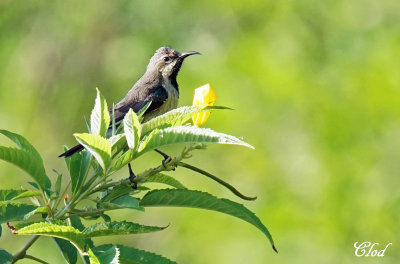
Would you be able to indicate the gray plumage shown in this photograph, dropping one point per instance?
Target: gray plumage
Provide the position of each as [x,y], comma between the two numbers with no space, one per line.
[158,85]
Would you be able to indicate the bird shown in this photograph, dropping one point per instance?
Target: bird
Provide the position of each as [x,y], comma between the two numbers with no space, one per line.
[158,85]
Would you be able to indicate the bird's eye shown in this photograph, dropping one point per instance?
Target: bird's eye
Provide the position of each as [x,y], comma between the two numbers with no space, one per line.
[166,59]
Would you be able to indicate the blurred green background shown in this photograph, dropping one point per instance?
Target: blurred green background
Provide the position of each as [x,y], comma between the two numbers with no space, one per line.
[315,85]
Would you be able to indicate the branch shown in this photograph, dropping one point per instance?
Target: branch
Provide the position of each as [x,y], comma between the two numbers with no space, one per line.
[36,259]
[22,252]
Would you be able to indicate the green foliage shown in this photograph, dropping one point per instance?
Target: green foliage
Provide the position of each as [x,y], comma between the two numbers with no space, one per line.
[128,255]
[176,117]
[78,166]
[5,257]
[15,211]
[165,179]
[26,158]
[67,250]
[100,118]
[132,129]
[197,199]
[118,228]
[189,134]
[69,233]
[11,195]
[98,146]
[90,179]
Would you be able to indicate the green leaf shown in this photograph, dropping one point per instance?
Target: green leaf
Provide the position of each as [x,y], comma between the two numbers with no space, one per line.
[5,257]
[141,112]
[165,179]
[26,161]
[15,211]
[175,117]
[197,199]
[93,258]
[1,230]
[118,228]
[34,185]
[124,159]
[127,201]
[11,195]
[98,146]
[21,142]
[26,158]
[78,165]
[61,231]
[118,142]
[132,129]
[100,117]
[128,255]
[146,139]
[68,250]
[57,186]
[190,134]
[108,255]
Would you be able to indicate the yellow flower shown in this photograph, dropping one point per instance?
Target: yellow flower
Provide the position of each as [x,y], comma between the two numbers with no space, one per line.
[203,95]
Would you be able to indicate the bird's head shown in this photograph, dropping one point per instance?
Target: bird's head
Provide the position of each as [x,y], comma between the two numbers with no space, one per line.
[168,61]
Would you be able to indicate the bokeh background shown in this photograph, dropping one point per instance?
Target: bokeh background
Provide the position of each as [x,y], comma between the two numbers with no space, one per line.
[315,86]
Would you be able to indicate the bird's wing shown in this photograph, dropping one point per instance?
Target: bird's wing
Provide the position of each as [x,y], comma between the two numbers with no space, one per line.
[157,95]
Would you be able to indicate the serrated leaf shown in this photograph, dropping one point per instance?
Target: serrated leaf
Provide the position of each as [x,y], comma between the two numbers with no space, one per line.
[165,179]
[129,255]
[176,117]
[132,129]
[197,199]
[190,134]
[118,228]
[108,255]
[100,117]
[61,231]
[98,146]
[78,165]
[15,211]
[11,195]
[5,257]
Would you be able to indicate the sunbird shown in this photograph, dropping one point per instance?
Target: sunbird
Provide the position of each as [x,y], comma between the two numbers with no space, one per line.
[158,85]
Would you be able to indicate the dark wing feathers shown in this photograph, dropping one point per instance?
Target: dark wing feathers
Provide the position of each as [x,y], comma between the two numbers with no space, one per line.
[157,95]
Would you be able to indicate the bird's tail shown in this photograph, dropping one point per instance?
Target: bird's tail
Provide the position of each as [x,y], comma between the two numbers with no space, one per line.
[71,151]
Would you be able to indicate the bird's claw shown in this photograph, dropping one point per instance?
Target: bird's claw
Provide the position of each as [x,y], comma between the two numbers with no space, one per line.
[167,159]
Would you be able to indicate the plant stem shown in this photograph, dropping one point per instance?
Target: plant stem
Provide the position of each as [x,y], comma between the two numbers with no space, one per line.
[88,213]
[36,259]
[22,252]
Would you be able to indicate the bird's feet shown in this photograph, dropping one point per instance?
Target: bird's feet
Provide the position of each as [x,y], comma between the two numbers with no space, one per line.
[132,177]
[166,158]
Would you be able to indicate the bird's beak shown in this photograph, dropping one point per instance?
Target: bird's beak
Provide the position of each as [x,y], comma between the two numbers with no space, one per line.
[186,54]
